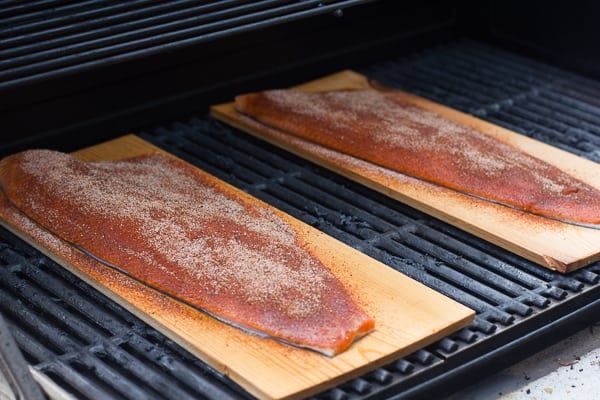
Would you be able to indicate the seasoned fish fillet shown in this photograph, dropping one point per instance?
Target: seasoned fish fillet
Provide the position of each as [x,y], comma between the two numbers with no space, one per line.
[189,236]
[383,129]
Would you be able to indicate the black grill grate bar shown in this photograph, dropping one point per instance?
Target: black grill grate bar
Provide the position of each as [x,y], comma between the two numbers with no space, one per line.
[87,310]
[540,70]
[475,285]
[278,160]
[267,165]
[585,122]
[579,126]
[183,371]
[52,325]
[109,378]
[411,263]
[13,9]
[473,253]
[298,209]
[106,372]
[117,28]
[519,122]
[545,103]
[502,93]
[159,38]
[573,102]
[503,79]
[527,70]
[569,284]
[72,378]
[463,79]
[539,76]
[265,169]
[35,348]
[589,275]
[346,216]
[522,270]
[85,17]
[496,301]
[137,373]
[44,13]
[477,272]
[48,42]
[492,81]
[239,174]
[369,208]
[64,304]
[539,118]
[582,97]
[480,324]
[319,215]
[419,82]
[511,78]
[579,137]
[79,17]
[567,141]
[570,139]
[56,340]
[454,71]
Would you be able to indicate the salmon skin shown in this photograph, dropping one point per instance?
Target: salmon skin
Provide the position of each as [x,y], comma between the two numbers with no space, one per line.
[187,235]
[389,131]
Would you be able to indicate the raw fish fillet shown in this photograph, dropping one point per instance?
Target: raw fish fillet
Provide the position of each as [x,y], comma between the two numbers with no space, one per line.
[190,236]
[381,128]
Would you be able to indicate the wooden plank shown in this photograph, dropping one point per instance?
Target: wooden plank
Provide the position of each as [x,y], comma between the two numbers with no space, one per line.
[555,245]
[408,315]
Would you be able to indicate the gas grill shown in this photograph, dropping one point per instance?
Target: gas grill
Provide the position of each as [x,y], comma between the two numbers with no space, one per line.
[76,73]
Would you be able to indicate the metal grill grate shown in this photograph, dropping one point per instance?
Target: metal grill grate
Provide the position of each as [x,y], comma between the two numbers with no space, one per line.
[44,39]
[91,346]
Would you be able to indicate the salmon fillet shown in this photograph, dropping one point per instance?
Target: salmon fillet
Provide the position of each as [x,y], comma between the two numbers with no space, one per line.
[381,128]
[182,232]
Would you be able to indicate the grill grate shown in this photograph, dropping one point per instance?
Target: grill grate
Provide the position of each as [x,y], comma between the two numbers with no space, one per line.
[89,345]
[93,347]
[45,39]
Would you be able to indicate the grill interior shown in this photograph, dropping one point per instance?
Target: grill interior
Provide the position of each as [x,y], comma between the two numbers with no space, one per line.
[105,66]
[45,39]
[95,349]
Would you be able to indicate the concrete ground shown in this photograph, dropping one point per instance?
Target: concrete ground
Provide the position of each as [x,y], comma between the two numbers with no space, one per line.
[570,369]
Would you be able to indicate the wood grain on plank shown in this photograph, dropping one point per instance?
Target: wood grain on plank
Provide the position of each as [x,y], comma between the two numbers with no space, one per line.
[558,246]
[408,315]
